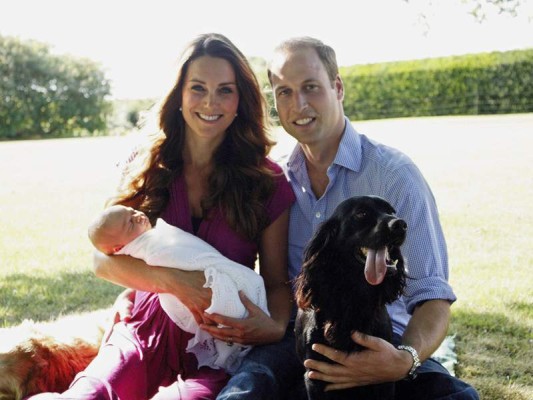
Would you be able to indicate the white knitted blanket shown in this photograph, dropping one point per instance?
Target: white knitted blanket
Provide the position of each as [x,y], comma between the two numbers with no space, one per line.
[168,246]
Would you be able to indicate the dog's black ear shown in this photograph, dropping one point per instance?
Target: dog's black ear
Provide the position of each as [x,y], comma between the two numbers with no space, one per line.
[306,282]
[326,234]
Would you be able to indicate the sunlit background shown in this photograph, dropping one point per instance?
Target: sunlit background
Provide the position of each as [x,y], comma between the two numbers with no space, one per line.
[138,42]
[469,134]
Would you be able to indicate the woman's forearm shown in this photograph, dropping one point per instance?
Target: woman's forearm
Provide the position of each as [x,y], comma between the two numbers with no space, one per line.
[136,274]
[279,304]
[273,269]
[187,286]
[128,272]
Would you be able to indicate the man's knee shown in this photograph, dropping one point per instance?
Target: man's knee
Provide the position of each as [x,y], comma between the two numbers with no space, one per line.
[254,382]
[262,375]
[435,385]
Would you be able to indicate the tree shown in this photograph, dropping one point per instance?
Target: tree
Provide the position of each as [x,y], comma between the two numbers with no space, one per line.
[479,9]
[45,95]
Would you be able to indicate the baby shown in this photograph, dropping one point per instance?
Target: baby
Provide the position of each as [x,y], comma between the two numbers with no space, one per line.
[124,230]
[117,226]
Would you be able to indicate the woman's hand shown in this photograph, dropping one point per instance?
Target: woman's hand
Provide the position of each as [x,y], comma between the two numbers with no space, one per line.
[134,273]
[256,328]
[188,287]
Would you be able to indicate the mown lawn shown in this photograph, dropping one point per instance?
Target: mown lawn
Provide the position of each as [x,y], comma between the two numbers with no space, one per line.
[480,172]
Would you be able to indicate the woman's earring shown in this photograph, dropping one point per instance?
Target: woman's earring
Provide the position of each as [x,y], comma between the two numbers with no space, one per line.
[236,114]
[181,109]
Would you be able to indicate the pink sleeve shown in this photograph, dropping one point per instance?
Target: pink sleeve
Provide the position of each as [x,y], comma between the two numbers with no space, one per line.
[283,196]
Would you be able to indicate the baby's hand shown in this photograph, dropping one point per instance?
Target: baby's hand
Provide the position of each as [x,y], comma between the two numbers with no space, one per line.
[120,311]
[123,306]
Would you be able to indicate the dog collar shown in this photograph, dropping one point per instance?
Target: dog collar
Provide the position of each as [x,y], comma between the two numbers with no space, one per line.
[416,361]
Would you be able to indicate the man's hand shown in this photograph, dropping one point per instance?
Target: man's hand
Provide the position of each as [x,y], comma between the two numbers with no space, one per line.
[379,362]
[256,328]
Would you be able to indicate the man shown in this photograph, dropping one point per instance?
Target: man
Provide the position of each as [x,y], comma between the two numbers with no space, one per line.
[333,162]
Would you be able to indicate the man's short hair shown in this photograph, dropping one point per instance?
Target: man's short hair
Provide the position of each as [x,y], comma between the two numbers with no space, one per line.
[325,53]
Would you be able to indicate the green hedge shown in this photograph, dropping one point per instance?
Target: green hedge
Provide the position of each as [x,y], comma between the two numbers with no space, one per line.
[487,83]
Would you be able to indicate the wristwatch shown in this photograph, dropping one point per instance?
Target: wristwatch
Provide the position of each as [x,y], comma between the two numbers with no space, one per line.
[416,361]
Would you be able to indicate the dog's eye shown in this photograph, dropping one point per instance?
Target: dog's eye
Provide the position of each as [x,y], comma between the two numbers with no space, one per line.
[360,215]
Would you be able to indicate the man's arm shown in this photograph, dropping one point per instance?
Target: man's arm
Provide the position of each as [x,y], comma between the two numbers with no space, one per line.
[428,327]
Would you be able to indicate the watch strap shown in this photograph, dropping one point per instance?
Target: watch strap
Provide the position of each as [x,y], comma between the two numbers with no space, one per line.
[416,360]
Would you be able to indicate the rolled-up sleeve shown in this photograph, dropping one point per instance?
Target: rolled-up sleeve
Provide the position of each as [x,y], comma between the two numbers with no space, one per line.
[425,247]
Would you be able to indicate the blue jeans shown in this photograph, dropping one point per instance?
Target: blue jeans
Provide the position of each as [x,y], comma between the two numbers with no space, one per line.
[267,372]
[273,372]
[433,382]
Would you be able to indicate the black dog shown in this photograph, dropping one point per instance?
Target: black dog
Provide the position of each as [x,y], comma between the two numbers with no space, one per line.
[352,268]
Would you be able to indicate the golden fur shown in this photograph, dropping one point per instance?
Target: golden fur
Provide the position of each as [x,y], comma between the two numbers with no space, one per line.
[45,357]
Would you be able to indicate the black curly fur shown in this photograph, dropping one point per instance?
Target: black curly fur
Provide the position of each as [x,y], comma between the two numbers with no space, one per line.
[332,294]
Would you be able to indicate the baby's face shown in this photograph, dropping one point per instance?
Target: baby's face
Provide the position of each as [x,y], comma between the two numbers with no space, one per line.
[130,223]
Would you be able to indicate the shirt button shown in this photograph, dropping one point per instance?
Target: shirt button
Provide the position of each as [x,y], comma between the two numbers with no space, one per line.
[318,215]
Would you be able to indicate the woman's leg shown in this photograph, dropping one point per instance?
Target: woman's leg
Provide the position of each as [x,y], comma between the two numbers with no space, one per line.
[116,373]
[134,361]
[204,384]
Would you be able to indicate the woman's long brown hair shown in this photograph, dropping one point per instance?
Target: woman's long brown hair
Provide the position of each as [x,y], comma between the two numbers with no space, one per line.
[240,183]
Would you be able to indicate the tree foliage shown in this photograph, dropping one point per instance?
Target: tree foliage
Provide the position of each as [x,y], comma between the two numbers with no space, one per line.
[480,8]
[46,95]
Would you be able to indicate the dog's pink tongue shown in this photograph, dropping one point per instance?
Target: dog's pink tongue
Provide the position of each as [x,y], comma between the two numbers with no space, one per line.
[375,266]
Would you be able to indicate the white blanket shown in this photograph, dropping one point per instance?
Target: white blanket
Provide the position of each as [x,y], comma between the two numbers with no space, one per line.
[168,246]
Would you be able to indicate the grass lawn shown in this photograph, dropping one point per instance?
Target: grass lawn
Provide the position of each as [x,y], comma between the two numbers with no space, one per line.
[478,167]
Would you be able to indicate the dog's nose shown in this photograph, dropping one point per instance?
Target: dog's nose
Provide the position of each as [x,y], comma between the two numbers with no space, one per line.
[398,226]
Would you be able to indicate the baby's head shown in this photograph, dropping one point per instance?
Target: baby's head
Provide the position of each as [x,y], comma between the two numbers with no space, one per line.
[117,226]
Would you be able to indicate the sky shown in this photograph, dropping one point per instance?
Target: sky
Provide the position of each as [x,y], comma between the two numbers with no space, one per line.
[137,43]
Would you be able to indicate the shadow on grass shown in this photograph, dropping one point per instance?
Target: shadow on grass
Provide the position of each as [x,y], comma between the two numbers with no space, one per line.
[495,352]
[42,298]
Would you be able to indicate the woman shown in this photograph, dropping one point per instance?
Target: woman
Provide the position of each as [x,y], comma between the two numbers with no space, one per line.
[205,172]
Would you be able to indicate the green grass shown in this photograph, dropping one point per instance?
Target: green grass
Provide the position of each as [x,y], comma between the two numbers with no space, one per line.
[50,191]
[480,172]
